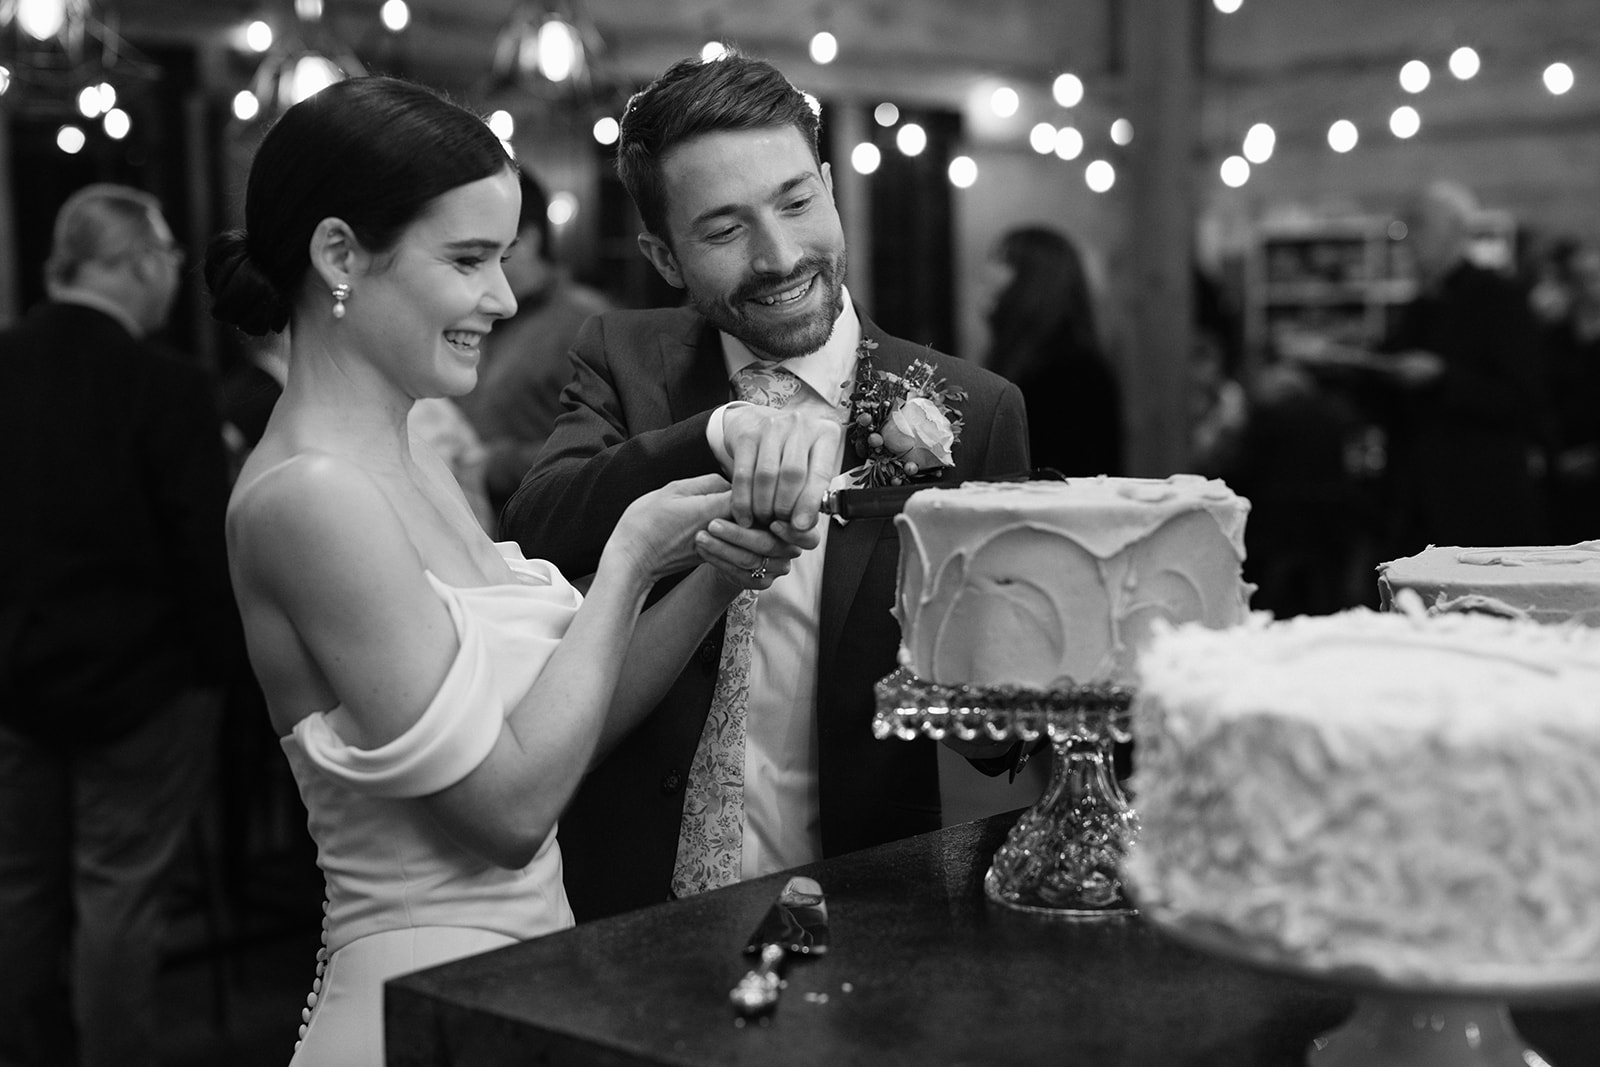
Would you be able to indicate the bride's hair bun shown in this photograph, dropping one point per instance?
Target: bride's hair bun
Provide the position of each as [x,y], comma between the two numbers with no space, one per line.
[241,295]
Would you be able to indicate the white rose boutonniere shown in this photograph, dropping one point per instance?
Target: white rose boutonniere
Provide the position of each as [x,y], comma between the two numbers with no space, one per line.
[903,427]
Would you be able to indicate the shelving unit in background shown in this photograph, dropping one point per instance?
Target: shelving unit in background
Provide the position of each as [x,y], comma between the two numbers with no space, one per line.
[1335,279]
[1341,279]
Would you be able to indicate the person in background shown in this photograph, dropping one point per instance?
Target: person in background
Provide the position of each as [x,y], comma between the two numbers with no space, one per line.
[1042,336]
[525,365]
[762,755]
[438,697]
[1573,348]
[118,633]
[1466,383]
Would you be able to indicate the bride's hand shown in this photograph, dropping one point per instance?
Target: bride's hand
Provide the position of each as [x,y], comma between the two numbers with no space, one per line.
[744,557]
[658,531]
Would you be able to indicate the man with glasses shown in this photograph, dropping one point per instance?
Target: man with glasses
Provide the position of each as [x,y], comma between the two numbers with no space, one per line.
[117,632]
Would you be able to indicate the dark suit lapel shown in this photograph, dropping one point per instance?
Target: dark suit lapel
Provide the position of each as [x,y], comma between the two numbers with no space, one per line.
[693,370]
[850,544]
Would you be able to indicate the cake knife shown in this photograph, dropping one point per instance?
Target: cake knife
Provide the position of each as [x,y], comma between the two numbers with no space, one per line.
[797,922]
[881,501]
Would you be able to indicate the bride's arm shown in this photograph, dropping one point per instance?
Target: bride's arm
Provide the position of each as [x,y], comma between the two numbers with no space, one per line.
[671,630]
[324,545]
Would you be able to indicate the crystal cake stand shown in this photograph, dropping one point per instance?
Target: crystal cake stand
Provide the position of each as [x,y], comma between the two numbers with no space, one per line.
[1063,858]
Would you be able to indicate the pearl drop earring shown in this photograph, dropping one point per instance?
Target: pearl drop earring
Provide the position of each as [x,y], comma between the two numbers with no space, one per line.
[341,293]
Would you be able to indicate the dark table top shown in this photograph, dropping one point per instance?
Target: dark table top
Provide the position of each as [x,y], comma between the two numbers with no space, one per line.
[922,970]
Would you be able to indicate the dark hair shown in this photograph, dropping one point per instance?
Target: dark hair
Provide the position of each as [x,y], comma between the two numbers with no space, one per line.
[535,213]
[1045,312]
[695,97]
[371,151]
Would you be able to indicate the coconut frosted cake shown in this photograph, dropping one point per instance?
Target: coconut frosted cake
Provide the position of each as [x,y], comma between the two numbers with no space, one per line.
[1386,792]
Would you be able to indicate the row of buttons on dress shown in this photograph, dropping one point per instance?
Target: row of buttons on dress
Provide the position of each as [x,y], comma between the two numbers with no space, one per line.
[316,983]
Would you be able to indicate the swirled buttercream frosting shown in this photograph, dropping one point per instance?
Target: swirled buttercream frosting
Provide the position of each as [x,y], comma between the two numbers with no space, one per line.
[1397,794]
[1046,584]
[1546,583]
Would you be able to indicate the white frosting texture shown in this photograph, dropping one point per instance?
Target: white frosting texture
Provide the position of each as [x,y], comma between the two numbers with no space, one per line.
[1409,795]
[1546,583]
[1050,583]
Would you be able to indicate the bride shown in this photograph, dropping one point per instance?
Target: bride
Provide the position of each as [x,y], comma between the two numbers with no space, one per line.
[437,695]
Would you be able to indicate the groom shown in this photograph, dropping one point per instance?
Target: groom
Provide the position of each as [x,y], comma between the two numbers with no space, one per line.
[721,160]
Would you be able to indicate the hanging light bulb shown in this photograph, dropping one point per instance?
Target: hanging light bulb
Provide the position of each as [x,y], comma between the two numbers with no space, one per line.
[395,15]
[41,19]
[560,54]
[824,48]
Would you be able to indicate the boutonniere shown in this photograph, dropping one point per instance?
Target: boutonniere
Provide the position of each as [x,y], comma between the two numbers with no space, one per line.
[903,427]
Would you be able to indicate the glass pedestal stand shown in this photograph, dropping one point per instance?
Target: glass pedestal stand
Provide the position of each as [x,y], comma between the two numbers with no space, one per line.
[1063,858]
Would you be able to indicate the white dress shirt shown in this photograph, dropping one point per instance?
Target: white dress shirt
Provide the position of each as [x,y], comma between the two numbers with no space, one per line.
[782,814]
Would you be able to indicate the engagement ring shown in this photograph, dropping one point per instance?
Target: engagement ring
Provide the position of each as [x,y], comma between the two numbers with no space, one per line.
[761,571]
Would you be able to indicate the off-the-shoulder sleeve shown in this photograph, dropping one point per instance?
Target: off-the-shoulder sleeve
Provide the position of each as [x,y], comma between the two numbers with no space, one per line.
[455,732]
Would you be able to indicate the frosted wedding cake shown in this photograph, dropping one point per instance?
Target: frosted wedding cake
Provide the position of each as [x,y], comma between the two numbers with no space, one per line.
[1046,584]
[1555,583]
[1396,793]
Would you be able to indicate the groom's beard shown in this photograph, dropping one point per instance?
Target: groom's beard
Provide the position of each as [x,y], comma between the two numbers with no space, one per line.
[733,314]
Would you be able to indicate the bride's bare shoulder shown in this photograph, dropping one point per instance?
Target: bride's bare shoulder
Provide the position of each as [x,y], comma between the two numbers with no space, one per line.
[307,507]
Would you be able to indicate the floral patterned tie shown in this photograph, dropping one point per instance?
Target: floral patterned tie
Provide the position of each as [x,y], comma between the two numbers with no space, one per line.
[711,835]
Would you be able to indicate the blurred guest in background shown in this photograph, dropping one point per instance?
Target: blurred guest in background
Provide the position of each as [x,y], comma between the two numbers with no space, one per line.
[1466,385]
[1573,353]
[525,365]
[117,633]
[1042,336]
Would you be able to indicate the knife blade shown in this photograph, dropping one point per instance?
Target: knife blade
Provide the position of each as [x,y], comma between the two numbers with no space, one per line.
[876,502]
[796,924]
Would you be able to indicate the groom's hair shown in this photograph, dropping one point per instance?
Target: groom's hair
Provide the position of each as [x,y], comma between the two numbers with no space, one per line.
[695,97]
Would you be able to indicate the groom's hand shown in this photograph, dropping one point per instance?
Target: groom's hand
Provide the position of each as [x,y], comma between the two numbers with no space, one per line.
[782,462]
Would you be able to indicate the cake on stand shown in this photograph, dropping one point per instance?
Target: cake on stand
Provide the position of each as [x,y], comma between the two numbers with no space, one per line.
[1063,857]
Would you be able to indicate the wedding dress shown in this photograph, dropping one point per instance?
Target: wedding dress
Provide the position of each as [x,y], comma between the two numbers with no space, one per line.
[401,895]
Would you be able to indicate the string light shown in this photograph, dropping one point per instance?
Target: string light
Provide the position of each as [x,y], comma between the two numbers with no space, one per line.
[1100,176]
[1558,78]
[865,158]
[1235,171]
[70,139]
[963,172]
[1342,136]
[1042,138]
[886,114]
[258,36]
[395,14]
[1464,63]
[1259,141]
[1415,76]
[1405,122]
[824,48]
[116,123]
[1004,101]
[1069,143]
[1067,90]
[607,130]
[911,139]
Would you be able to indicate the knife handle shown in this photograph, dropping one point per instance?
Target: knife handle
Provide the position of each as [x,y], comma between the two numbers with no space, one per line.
[757,991]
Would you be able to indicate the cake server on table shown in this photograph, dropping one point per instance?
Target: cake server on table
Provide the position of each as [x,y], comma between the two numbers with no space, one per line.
[721,160]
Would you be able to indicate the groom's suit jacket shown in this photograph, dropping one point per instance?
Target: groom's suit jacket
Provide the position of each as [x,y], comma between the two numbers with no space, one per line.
[645,385]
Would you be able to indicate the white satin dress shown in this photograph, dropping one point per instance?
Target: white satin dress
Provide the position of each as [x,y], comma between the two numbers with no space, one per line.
[401,895]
